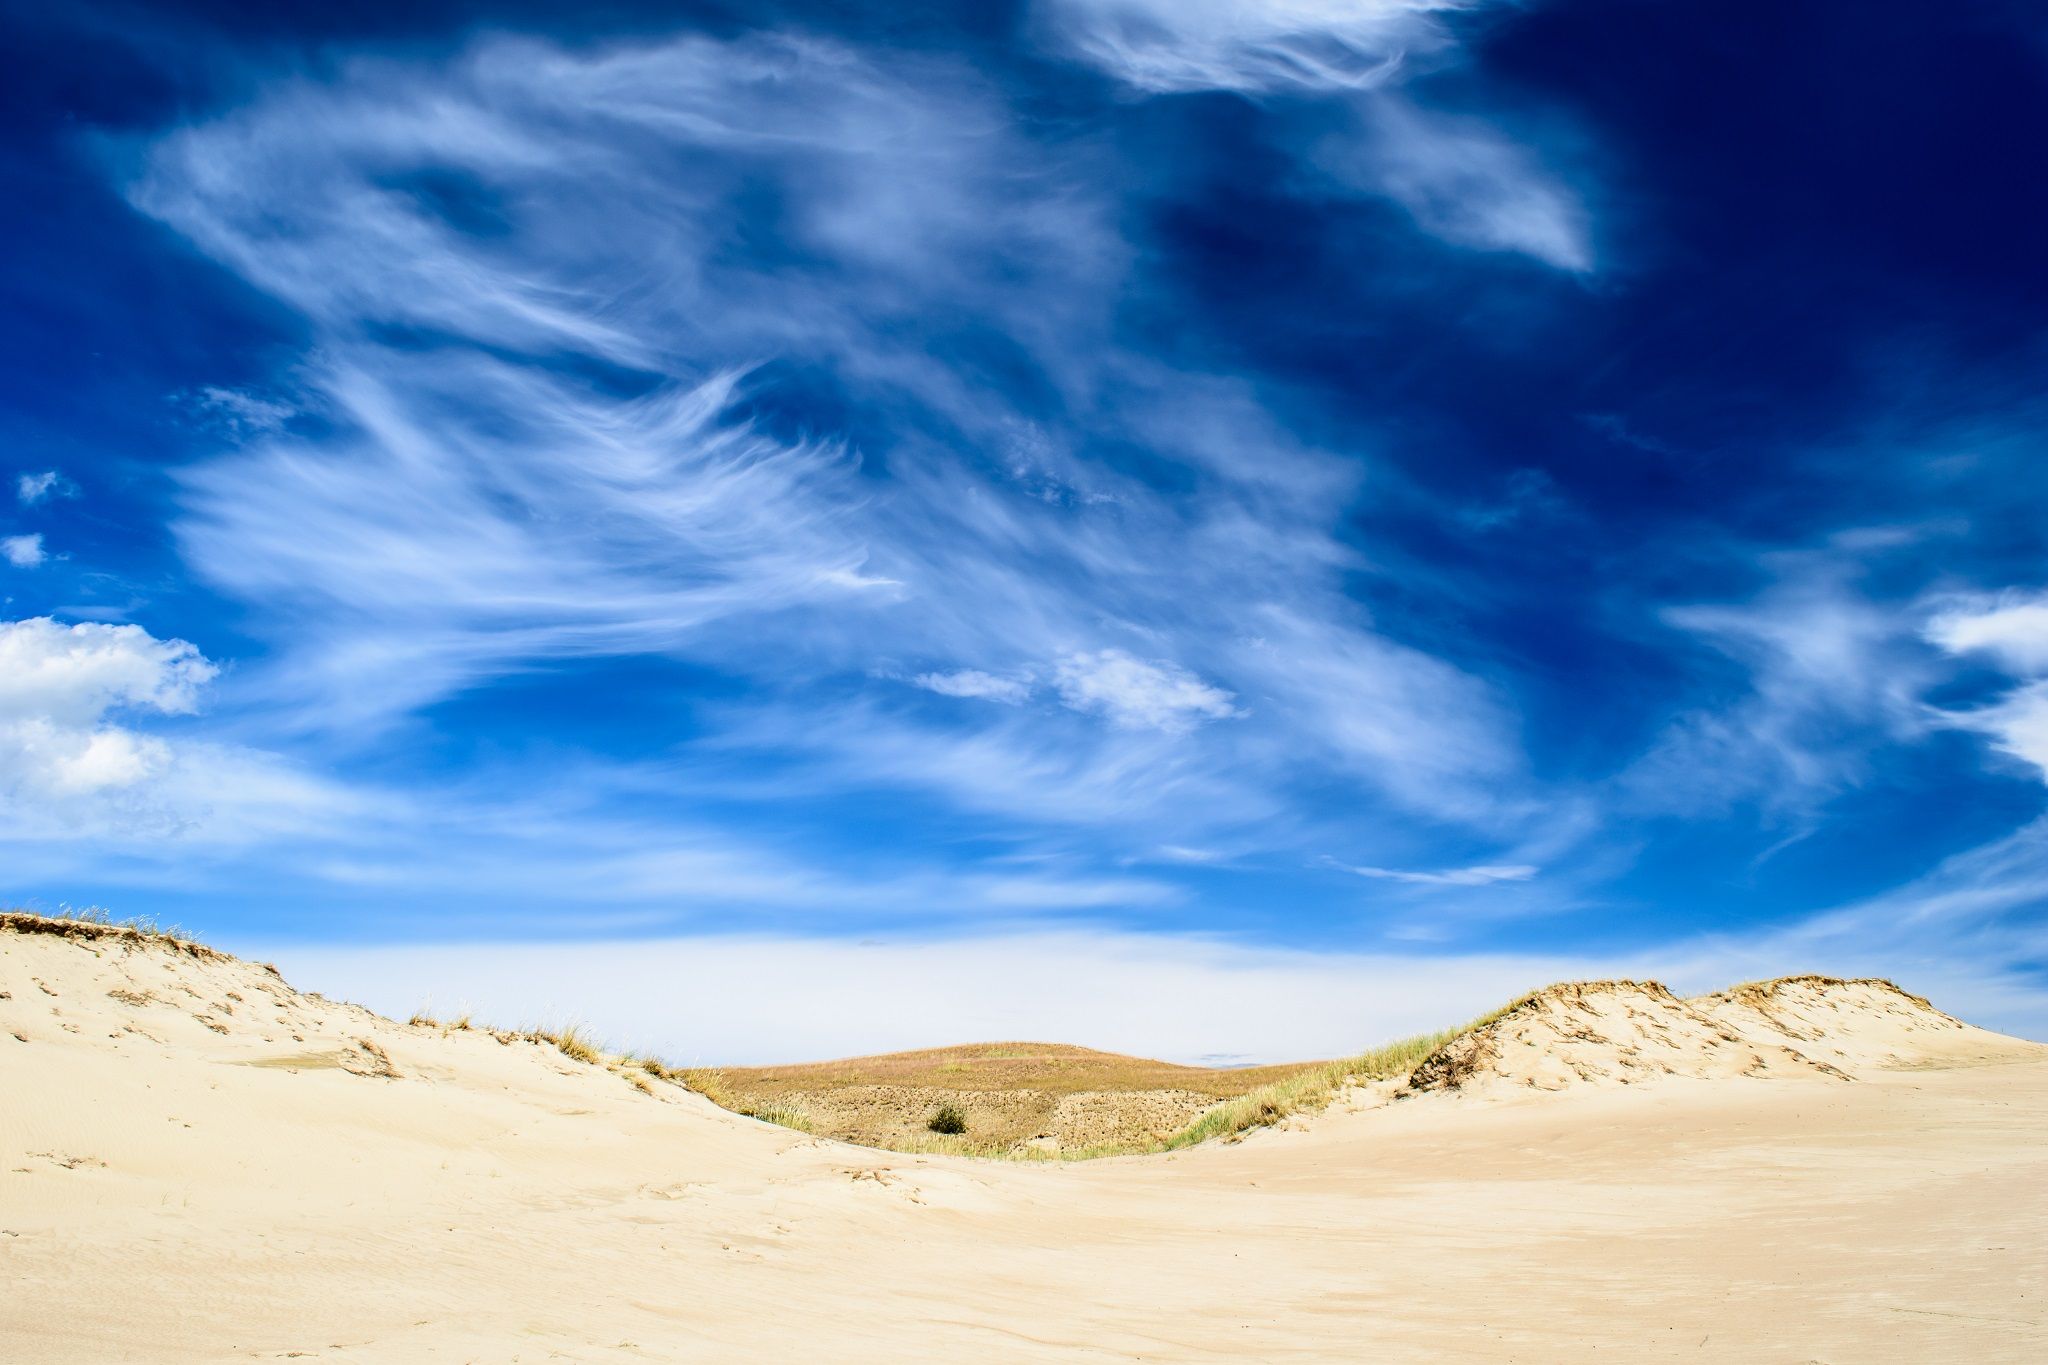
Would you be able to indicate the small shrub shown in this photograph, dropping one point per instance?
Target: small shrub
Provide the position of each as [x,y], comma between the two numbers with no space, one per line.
[948,1120]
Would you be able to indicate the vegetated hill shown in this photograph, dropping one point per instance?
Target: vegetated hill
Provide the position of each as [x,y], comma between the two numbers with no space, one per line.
[1062,1068]
[1054,1097]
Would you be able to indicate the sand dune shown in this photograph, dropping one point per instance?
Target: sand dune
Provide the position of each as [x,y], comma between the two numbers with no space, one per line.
[199,1164]
[1631,1032]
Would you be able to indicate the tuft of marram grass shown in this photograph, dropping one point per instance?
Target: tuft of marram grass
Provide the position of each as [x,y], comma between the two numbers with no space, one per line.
[783,1115]
[573,1042]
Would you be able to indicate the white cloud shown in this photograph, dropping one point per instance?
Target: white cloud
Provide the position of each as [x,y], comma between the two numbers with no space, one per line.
[58,683]
[33,488]
[576,469]
[2017,723]
[1030,765]
[970,682]
[477,506]
[1461,180]
[241,413]
[23,552]
[74,764]
[1430,736]
[74,674]
[2011,627]
[1454,876]
[1137,694]
[1056,893]
[1831,675]
[1170,46]
[551,522]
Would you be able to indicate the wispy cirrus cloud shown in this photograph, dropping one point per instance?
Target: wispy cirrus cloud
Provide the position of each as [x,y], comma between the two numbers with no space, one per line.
[1829,674]
[555,417]
[1458,175]
[1479,875]
[1176,46]
[972,682]
[2011,628]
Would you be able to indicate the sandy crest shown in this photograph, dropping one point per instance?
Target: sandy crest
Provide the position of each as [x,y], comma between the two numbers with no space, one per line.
[197,1164]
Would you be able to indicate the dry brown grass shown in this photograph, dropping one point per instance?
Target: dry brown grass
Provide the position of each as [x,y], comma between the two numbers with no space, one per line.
[1759,991]
[573,1042]
[96,923]
[1051,1068]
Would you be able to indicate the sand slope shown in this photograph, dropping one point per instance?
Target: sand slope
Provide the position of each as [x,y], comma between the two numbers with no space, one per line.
[197,1164]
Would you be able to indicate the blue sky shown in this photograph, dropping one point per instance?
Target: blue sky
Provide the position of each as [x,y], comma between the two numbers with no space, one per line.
[1045,512]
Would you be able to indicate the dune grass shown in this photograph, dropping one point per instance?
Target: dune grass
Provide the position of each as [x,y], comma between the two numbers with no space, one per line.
[573,1041]
[1309,1092]
[711,1084]
[93,919]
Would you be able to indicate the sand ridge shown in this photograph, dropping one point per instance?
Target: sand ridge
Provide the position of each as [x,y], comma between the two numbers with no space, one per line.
[1631,1032]
[199,1164]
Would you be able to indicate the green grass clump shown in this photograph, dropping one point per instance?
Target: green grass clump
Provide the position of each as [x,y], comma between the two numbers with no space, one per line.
[947,1120]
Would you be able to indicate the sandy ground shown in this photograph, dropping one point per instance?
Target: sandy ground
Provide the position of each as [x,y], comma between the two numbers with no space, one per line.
[197,1164]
